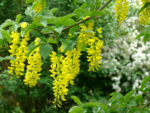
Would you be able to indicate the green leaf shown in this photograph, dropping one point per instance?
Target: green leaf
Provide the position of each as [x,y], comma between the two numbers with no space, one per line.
[45,50]
[76,109]
[76,100]
[32,46]
[144,82]
[29,1]
[82,11]
[64,21]
[2,40]
[129,95]
[53,10]
[45,80]
[145,6]
[6,23]
[60,21]
[68,44]
[44,22]
[139,110]
[104,108]
[91,104]
[52,40]
[59,30]
[4,37]
[96,13]
[18,18]
[6,58]
[29,12]
[50,19]
[131,103]
[43,4]
[139,99]
[35,4]
[29,27]
[145,34]
[36,33]
[117,99]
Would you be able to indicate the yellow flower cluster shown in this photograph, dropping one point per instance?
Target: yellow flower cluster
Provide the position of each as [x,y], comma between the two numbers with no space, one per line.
[64,70]
[121,10]
[93,45]
[24,25]
[19,51]
[13,50]
[38,8]
[21,56]
[15,41]
[85,33]
[94,53]
[144,17]
[34,66]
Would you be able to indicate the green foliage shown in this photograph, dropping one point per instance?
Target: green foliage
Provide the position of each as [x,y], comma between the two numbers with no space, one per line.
[145,33]
[29,1]
[45,50]
[145,6]
[129,103]
[49,26]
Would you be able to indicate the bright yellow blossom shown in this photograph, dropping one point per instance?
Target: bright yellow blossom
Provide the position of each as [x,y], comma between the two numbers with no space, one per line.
[38,8]
[87,38]
[94,53]
[21,56]
[99,30]
[15,41]
[61,49]
[144,17]
[85,33]
[121,10]
[24,24]
[13,50]
[34,66]
[63,71]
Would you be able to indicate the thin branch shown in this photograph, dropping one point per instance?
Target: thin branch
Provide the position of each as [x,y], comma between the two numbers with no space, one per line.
[105,5]
[82,21]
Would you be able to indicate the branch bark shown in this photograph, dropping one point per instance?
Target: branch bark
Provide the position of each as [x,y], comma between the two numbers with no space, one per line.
[82,21]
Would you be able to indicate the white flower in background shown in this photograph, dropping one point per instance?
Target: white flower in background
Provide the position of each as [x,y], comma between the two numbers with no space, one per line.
[127,58]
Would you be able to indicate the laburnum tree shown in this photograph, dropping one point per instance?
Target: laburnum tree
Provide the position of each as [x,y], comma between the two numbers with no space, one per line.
[62,40]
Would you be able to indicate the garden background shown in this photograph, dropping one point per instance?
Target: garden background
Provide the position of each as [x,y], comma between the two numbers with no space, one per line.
[125,63]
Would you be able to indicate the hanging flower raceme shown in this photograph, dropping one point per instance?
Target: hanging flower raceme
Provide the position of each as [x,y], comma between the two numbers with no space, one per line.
[64,70]
[121,10]
[21,56]
[19,51]
[13,50]
[94,53]
[34,66]
[15,41]
[75,65]
[88,39]
[85,34]
[144,17]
